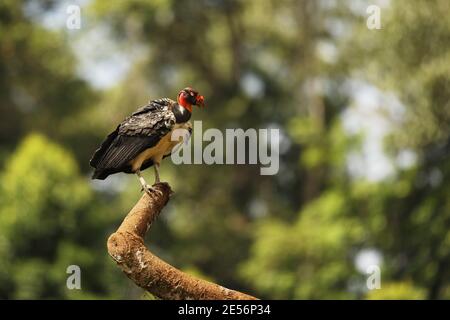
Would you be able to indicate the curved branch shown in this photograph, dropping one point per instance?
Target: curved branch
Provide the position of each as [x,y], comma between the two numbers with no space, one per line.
[126,246]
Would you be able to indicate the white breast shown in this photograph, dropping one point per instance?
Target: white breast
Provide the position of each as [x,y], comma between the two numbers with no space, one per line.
[163,147]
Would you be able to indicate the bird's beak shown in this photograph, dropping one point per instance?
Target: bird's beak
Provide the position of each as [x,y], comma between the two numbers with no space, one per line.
[200,101]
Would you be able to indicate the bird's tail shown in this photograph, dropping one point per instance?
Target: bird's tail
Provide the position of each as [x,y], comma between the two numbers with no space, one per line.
[100,174]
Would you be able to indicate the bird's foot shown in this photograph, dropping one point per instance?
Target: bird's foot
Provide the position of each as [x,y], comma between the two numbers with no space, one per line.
[150,190]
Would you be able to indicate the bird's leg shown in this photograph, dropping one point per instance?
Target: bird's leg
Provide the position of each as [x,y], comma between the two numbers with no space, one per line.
[156,165]
[148,189]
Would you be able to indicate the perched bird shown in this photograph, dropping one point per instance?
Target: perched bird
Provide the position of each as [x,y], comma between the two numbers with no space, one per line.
[144,138]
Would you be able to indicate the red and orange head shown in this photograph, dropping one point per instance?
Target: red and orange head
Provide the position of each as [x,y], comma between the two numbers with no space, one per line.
[189,97]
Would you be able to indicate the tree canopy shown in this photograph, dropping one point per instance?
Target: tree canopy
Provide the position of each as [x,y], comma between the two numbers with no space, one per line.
[312,69]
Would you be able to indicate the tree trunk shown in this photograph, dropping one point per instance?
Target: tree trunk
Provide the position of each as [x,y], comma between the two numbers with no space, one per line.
[126,246]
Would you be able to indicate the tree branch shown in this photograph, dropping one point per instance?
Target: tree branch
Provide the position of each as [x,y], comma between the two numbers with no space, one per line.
[126,246]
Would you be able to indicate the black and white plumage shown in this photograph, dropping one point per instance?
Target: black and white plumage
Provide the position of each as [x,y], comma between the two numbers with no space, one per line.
[144,138]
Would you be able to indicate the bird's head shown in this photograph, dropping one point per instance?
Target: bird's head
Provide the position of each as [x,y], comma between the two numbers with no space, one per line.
[189,97]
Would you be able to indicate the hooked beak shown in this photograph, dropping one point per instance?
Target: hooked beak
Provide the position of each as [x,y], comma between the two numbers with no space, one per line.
[200,101]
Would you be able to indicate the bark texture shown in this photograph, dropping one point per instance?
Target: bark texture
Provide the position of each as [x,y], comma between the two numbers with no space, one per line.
[126,246]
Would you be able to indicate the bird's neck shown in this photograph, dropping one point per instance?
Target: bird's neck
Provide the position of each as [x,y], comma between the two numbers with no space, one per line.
[182,114]
[185,103]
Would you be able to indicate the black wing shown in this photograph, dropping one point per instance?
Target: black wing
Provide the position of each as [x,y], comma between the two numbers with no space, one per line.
[142,130]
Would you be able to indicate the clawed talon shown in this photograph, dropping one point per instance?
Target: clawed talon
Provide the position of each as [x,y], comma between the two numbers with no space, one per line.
[150,190]
[146,187]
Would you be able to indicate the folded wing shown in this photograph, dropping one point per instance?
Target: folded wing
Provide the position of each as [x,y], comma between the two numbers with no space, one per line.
[142,130]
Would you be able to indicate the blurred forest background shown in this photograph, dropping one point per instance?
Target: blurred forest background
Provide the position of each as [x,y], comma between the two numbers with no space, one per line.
[365,120]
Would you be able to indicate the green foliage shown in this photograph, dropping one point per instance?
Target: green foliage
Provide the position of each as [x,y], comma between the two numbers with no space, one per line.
[38,176]
[45,202]
[397,291]
[307,259]
[40,89]
[412,60]
[259,64]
